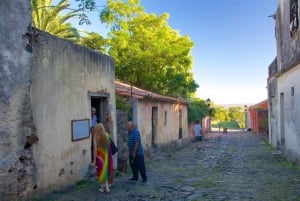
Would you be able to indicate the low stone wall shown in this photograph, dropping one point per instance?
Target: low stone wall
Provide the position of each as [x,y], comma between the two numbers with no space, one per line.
[173,145]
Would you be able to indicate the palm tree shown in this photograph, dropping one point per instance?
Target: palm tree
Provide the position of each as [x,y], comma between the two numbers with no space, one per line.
[49,18]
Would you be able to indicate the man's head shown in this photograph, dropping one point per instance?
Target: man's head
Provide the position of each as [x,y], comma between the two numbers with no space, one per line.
[130,126]
[93,110]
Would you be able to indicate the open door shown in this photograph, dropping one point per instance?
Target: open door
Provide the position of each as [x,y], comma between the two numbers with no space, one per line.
[154,125]
[180,124]
[100,103]
[282,121]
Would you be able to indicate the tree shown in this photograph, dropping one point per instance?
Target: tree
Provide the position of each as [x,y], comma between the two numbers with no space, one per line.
[237,114]
[148,53]
[94,41]
[49,18]
[221,114]
[197,110]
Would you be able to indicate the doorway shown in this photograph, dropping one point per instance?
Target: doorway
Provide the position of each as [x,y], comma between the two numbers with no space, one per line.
[180,124]
[154,125]
[282,120]
[100,103]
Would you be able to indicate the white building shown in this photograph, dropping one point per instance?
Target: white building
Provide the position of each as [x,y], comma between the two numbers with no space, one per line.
[284,82]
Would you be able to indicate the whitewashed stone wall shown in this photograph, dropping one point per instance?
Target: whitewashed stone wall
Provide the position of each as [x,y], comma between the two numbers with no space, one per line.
[284,86]
[17,177]
[63,75]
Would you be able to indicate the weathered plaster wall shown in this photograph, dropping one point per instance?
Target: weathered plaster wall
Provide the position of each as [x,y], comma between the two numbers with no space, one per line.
[284,87]
[288,47]
[273,99]
[291,112]
[63,75]
[16,165]
[165,133]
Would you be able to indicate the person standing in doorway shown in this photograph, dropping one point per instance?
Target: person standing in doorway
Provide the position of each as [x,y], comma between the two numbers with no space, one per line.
[93,117]
[93,123]
[136,153]
[197,131]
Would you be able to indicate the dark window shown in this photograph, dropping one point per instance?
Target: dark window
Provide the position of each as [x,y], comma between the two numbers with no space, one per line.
[166,114]
[294,22]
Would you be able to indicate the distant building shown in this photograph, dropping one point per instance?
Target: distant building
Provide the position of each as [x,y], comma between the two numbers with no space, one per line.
[161,119]
[259,117]
[283,82]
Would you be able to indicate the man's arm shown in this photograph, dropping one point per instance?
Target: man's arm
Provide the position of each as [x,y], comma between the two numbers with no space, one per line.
[136,145]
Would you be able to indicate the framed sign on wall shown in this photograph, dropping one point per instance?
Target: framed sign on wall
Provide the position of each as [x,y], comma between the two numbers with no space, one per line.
[80,129]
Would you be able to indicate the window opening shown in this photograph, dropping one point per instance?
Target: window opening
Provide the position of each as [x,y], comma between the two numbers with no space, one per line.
[294,22]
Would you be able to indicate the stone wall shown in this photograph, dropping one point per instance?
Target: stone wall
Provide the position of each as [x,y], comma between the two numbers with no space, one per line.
[122,119]
[17,168]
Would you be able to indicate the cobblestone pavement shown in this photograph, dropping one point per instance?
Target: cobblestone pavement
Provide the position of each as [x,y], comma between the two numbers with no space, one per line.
[235,166]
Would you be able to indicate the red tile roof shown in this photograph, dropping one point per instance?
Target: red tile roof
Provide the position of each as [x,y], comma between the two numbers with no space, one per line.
[128,90]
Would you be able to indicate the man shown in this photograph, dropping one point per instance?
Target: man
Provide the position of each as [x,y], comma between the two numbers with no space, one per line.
[197,130]
[92,127]
[93,117]
[136,153]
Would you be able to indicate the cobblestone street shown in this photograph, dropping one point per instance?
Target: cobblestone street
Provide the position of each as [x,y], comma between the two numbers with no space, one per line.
[235,166]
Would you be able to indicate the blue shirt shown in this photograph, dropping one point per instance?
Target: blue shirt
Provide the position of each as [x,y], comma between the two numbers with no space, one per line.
[197,130]
[133,137]
[94,121]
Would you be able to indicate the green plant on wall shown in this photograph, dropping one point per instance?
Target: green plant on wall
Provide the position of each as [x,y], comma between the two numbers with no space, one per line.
[122,104]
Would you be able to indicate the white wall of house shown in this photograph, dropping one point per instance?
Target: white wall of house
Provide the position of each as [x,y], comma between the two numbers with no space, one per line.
[167,121]
[290,101]
[64,74]
[284,85]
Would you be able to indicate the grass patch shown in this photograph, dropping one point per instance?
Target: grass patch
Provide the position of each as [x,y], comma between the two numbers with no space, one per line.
[84,183]
[225,124]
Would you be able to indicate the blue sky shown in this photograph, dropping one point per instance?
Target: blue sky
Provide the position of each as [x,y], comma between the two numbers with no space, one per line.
[234,44]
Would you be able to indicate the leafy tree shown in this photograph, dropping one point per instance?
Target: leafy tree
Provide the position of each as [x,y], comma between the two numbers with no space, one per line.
[85,6]
[221,114]
[197,110]
[147,51]
[237,114]
[94,41]
[49,18]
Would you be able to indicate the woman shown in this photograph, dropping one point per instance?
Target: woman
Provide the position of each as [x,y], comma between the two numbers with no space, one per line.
[102,156]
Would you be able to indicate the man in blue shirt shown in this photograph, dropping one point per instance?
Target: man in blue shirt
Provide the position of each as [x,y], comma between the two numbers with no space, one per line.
[136,153]
[93,117]
[92,127]
[197,130]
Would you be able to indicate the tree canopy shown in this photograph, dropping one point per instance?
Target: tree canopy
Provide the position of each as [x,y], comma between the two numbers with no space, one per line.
[221,114]
[148,53]
[197,110]
[49,18]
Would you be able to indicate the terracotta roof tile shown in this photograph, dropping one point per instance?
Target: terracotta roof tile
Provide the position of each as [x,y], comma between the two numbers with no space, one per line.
[123,89]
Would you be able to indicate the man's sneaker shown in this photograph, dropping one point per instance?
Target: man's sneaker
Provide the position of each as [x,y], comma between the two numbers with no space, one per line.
[133,179]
